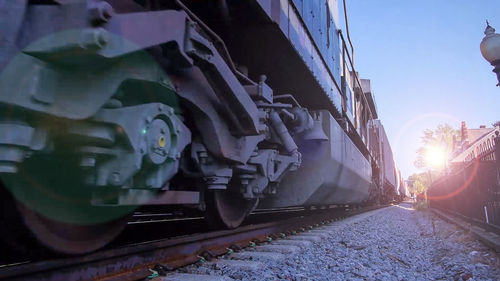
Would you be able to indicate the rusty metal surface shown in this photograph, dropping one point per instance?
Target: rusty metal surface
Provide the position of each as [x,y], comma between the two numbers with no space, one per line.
[132,262]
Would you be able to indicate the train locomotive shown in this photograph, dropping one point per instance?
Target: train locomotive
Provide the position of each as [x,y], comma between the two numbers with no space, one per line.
[223,106]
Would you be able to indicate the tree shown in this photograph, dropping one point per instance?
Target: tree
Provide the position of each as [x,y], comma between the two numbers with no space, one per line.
[441,137]
[422,181]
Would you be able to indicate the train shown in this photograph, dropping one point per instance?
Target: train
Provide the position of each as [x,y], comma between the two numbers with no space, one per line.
[219,106]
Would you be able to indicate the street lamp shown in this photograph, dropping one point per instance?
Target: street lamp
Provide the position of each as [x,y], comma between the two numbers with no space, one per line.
[490,49]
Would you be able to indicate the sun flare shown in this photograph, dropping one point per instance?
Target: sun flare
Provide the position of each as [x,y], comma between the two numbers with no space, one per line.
[435,156]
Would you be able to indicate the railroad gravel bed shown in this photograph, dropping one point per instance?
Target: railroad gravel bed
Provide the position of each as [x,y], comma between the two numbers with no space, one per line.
[395,243]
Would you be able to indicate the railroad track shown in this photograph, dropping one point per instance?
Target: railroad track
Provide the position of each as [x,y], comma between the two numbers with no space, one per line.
[133,262]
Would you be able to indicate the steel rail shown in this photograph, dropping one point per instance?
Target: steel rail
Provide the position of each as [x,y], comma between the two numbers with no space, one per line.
[133,262]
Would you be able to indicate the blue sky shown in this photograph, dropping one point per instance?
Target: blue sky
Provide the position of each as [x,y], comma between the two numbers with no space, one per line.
[425,66]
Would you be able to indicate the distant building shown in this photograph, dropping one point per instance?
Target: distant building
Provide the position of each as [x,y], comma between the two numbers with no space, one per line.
[472,143]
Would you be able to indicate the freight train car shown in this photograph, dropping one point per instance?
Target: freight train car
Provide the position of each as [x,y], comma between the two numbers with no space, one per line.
[388,177]
[402,189]
[218,105]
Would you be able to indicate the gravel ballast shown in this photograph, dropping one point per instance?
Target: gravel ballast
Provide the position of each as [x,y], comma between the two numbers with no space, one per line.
[394,243]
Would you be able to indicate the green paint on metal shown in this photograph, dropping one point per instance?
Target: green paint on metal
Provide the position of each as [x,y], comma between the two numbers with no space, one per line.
[154,274]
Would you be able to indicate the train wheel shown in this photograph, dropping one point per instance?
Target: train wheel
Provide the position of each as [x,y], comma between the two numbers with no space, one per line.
[69,238]
[28,233]
[227,209]
[51,211]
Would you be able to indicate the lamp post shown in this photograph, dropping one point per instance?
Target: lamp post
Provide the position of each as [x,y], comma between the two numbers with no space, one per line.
[490,49]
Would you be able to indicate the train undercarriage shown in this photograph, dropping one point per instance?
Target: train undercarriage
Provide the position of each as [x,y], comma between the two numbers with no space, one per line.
[103,112]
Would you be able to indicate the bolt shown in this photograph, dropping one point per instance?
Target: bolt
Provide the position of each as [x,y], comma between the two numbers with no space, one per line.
[100,12]
[94,38]
[148,120]
[162,131]
[102,37]
[115,178]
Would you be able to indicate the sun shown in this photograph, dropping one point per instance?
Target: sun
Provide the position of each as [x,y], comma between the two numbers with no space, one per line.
[435,156]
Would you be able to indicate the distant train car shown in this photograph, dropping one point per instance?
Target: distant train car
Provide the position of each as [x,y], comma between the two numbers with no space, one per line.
[388,175]
[402,188]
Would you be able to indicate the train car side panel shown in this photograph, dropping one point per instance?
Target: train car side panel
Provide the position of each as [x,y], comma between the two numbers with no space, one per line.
[332,172]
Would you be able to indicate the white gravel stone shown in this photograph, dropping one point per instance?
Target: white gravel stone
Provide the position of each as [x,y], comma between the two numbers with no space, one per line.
[395,243]
[298,243]
[239,265]
[284,249]
[257,256]
[191,277]
[324,232]
[322,235]
[316,239]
